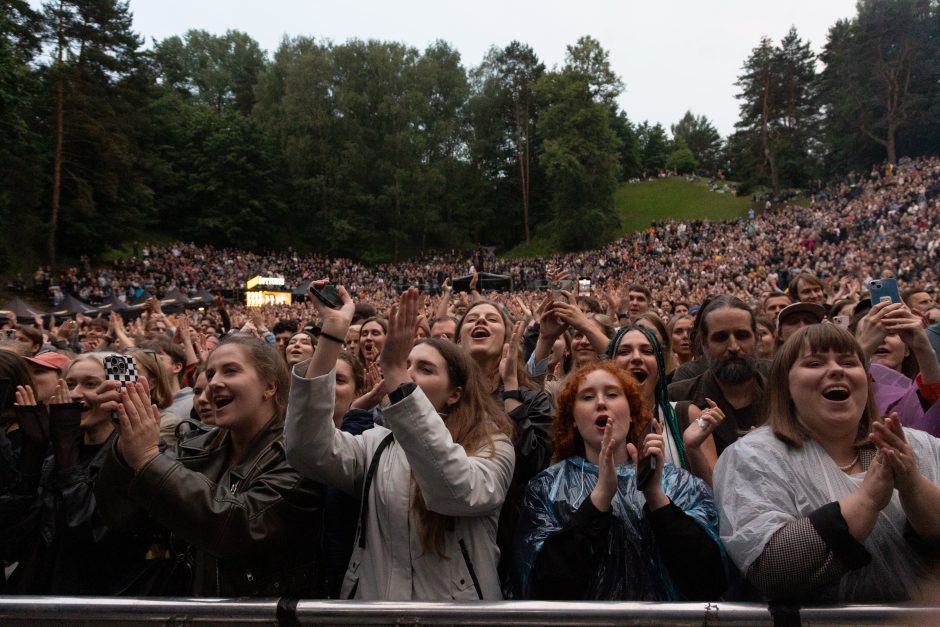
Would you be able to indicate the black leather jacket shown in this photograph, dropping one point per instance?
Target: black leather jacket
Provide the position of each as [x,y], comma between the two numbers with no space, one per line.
[252,529]
[52,525]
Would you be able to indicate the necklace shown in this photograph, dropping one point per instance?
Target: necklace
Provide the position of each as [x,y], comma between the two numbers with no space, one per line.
[849,465]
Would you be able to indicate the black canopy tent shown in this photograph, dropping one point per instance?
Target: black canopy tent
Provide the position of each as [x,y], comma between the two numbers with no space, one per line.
[202,297]
[301,289]
[175,299]
[17,308]
[114,304]
[485,281]
[71,306]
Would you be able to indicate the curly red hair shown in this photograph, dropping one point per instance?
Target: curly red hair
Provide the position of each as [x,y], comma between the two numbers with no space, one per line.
[566,439]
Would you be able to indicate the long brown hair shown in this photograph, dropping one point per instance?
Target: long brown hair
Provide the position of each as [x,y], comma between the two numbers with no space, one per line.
[566,439]
[473,421]
[522,375]
[781,411]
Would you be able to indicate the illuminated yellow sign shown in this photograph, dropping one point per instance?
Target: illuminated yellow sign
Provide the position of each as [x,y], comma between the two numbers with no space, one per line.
[260,298]
[255,281]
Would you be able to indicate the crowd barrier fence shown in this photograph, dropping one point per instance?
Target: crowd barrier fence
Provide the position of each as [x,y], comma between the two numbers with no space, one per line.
[49,610]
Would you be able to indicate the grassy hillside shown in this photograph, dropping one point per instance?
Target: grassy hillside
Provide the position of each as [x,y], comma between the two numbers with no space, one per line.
[639,204]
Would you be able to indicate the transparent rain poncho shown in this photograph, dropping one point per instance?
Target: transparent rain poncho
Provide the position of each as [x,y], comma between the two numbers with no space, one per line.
[762,484]
[631,568]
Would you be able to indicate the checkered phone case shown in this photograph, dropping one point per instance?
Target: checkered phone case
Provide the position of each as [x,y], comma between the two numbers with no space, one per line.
[120,368]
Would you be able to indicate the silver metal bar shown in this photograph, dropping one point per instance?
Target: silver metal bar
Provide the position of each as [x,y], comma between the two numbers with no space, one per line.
[135,611]
[531,613]
[17,610]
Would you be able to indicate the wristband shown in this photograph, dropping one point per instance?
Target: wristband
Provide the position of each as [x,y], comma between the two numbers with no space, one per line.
[515,395]
[403,390]
[325,335]
[930,391]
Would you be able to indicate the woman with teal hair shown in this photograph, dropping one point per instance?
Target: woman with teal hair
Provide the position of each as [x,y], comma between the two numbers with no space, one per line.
[637,350]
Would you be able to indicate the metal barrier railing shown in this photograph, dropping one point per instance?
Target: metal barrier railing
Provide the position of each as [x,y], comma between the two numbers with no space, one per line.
[128,611]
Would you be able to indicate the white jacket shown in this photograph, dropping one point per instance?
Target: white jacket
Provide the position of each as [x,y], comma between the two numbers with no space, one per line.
[471,489]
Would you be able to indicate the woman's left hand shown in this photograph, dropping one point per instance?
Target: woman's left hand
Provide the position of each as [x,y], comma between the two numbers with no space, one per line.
[139,421]
[653,445]
[510,359]
[374,391]
[702,422]
[898,454]
[402,327]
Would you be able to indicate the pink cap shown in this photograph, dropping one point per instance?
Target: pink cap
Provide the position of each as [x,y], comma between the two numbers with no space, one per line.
[51,360]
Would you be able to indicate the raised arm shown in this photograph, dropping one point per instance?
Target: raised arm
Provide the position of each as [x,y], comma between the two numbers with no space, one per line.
[452,482]
[315,447]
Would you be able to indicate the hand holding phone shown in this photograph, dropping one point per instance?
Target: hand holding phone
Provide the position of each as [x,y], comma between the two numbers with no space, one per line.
[884,290]
[328,295]
[646,465]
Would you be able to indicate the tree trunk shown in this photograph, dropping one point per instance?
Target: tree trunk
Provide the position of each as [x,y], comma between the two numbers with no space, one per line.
[890,144]
[57,157]
[522,154]
[765,136]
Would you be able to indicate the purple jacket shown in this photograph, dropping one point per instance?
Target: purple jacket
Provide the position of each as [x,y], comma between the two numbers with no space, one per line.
[895,392]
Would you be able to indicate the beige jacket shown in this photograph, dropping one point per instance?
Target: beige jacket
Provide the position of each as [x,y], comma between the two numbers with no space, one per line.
[392,565]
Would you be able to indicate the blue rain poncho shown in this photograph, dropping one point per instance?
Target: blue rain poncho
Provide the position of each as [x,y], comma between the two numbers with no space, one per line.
[631,568]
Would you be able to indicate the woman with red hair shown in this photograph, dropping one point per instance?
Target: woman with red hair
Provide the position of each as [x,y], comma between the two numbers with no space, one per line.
[589,531]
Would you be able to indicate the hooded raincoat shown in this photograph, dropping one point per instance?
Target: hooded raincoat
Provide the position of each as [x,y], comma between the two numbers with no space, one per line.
[623,556]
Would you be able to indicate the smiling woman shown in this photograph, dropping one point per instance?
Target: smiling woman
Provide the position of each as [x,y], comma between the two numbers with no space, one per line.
[431,480]
[830,502]
[246,523]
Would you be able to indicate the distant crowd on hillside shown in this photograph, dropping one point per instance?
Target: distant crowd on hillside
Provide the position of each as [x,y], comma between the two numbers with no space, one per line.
[885,223]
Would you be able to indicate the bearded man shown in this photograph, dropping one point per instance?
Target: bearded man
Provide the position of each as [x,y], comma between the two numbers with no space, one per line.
[728,336]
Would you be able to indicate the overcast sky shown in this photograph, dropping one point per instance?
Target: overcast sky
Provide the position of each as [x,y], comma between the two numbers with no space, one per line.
[672,55]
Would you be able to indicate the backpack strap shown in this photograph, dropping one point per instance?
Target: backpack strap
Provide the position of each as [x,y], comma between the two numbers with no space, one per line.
[370,475]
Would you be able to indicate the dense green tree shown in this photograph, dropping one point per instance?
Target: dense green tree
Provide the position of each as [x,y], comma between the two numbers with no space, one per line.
[231,183]
[759,95]
[503,113]
[631,165]
[700,137]
[654,147]
[779,111]
[220,71]
[21,146]
[100,85]
[580,156]
[881,73]
[681,159]
[588,58]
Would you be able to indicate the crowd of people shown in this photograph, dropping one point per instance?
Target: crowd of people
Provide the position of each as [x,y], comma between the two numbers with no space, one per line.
[728,411]
[859,227]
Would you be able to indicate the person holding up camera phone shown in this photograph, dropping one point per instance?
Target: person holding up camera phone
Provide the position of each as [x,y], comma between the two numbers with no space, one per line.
[431,480]
[66,547]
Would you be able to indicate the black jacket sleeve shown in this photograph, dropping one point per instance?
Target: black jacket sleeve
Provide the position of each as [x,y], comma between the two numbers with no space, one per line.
[567,561]
[532,421]
[692,557]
